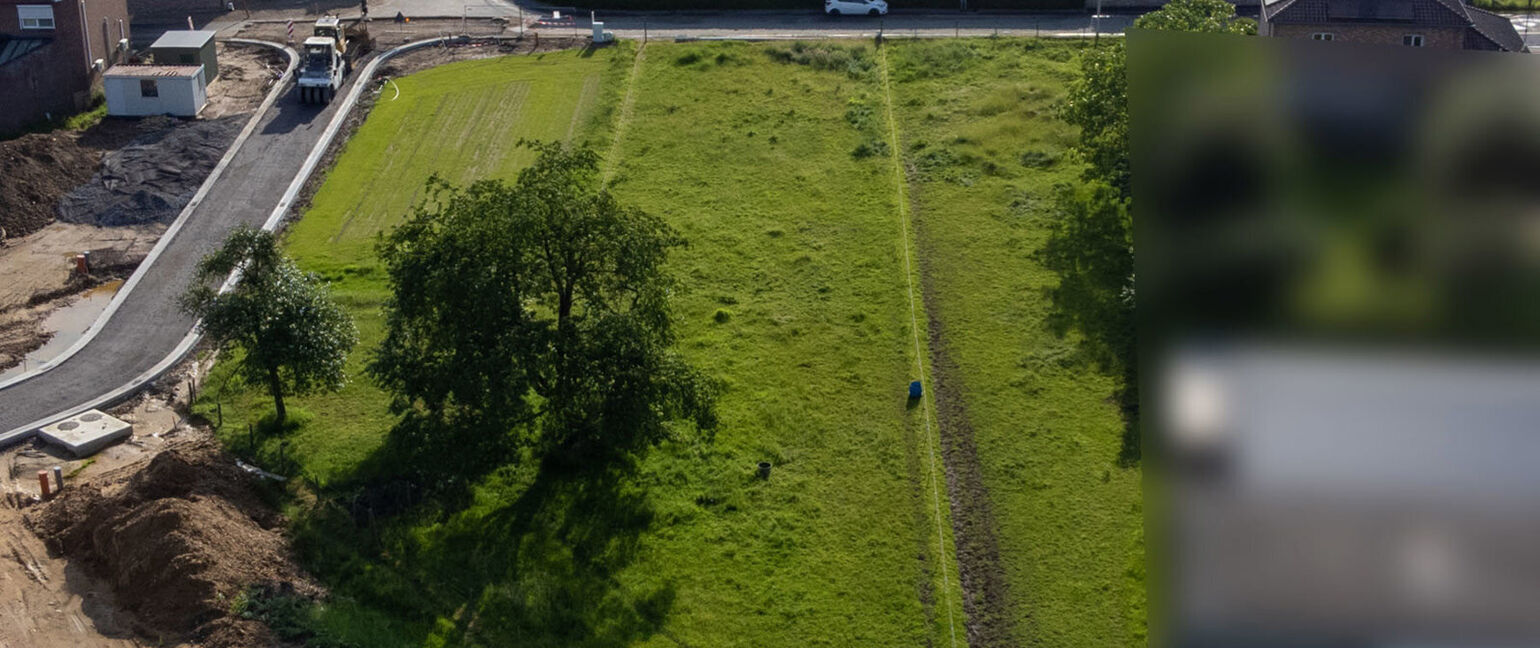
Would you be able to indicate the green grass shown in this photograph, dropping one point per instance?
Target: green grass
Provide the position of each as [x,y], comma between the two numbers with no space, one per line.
[775,161]
[985,151]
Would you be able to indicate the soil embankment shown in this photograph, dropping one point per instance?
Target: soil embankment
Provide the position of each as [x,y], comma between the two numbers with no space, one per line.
[176,543]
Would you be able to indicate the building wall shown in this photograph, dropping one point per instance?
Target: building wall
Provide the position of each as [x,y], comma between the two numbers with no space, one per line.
[58,79]
[1435,37]
[182,97]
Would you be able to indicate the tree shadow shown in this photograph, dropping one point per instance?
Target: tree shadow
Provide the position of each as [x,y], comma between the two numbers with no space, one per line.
[1089,251]
[512,550]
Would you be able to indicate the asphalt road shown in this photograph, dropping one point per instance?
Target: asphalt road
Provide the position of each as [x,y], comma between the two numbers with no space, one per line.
[148,325]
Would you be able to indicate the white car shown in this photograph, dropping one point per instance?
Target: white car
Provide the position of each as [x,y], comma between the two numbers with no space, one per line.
[855,7]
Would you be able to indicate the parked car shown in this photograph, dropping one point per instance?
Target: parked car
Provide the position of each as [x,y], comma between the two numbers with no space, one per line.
[855,7]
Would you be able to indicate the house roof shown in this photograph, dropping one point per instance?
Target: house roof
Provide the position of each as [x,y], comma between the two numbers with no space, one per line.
[15,47]
[183,39]
[151,71]
[1497,29]
[1485,30]
[1415,12]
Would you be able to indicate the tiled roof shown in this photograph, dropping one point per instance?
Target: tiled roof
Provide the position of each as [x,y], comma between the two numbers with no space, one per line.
[1449,13]
[15,47]
[1496,29]
[1484,29]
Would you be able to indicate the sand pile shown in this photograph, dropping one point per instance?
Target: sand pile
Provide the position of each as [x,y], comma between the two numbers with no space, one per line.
[151,178]
[177,541]
[35,170]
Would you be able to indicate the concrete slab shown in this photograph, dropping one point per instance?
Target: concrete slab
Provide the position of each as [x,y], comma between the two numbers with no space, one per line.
[87,432]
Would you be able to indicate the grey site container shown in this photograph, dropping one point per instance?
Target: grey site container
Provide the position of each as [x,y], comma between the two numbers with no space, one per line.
[187,47]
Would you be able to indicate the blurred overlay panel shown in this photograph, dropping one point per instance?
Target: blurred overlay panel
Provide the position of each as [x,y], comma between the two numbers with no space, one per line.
[1337,253]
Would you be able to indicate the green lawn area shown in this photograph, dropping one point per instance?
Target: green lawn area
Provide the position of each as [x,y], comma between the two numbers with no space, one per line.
[776,164]
[984,153]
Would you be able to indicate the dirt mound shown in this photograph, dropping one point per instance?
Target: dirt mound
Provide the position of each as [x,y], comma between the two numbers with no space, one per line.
[38,169]
[177,542]
[151,178]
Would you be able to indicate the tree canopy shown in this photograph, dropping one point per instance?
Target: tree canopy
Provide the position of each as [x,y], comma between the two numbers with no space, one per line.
[537,311]
[1091,246]
[294,338]
[1097,102]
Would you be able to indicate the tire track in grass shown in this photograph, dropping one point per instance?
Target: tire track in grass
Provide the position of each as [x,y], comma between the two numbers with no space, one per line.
[931,440]
[584,102]
[624,118]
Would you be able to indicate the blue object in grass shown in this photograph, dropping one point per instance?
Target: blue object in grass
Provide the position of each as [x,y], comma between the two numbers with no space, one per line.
[915,389]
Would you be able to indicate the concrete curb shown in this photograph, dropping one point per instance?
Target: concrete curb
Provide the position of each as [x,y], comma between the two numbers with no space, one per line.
[273,221]
[176,225]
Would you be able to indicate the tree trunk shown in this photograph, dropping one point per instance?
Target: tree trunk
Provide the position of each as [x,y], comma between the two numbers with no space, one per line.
[275,388]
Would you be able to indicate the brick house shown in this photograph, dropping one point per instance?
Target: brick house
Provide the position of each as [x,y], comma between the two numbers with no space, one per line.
[49,53]
[1442,24]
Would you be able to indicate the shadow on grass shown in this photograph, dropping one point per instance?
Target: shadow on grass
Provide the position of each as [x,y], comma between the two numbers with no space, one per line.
[1090,250]
[521,553]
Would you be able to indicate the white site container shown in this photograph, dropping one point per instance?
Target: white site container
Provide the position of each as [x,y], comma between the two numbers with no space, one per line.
[143,90]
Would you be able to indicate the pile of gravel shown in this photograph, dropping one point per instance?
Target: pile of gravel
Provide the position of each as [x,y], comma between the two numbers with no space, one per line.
[153,177]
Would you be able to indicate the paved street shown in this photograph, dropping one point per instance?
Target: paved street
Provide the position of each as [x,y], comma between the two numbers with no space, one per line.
[148,326]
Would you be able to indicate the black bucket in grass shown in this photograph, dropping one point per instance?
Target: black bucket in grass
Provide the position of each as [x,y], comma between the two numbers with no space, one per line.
[764,470]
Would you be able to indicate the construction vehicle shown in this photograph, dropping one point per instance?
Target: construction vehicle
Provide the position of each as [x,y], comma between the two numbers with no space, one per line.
[329,57]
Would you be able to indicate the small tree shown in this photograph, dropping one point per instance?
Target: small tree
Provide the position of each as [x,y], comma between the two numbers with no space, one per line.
[540,302]
[295,339]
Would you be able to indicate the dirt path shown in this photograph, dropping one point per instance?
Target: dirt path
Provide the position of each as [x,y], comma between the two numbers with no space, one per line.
[980,574]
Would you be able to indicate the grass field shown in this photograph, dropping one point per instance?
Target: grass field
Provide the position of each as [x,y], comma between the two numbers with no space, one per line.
[776,162]
[984,153]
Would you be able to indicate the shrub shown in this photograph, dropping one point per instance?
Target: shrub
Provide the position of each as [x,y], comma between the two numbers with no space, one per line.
[1039,159]
[871,148]
[856,62]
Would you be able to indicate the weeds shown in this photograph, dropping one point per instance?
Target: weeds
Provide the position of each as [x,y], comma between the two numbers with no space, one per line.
[855,61]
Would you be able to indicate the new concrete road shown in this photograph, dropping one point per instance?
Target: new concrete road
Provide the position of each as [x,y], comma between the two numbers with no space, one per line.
[147,326]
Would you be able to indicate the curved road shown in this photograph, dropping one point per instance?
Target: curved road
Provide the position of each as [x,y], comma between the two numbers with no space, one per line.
[147,325]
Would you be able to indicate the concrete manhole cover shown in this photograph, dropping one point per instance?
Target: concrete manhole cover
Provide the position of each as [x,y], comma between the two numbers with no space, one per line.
[90,416]
[68,425]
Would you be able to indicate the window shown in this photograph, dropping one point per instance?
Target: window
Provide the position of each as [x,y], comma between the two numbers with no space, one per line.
[1325,36]
[1412,40]
[35,16]
[147,88]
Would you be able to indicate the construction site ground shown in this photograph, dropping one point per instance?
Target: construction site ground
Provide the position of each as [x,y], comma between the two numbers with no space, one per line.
[61,587]
[37,251]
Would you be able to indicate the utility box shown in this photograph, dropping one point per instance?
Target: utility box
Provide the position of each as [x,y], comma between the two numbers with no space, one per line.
[185,47]
[143,90]
[85,433]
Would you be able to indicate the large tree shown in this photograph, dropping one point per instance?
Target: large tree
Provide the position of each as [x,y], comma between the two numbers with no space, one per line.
[537,311]
[1097,102]
[295,340]
[1091,246]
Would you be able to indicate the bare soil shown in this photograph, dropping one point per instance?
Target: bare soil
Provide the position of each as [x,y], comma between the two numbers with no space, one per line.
[148,543]
[986,597]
